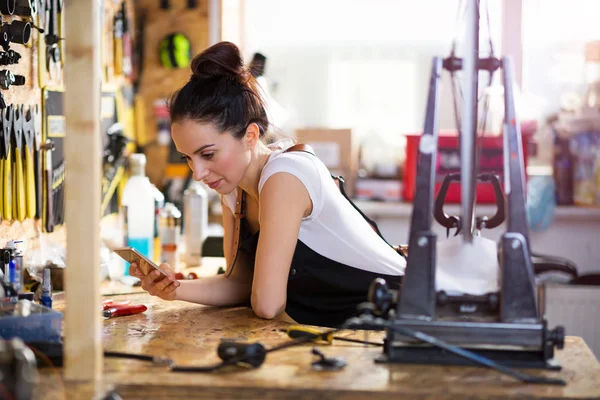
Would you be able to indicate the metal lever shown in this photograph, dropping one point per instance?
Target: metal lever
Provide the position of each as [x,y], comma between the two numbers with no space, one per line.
[447,221]
[454,222]
[500,216]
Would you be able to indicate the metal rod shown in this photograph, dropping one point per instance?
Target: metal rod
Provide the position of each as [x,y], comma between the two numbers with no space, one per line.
[514,169]
[468,129]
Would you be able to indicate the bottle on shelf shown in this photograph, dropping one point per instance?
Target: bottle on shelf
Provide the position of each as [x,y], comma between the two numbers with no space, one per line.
[563,172]
[195,222]
[159,203]
[138,209]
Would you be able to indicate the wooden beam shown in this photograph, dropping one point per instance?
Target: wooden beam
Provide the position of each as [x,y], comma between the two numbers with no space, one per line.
[83,345]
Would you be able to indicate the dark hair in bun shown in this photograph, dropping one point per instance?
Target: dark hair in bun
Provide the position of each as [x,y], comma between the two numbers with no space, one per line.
[220,91]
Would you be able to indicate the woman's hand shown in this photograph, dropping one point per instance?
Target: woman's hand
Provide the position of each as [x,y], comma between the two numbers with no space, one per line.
[154,282]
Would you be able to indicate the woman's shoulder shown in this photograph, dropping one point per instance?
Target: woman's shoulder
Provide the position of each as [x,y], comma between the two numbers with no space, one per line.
[296,163]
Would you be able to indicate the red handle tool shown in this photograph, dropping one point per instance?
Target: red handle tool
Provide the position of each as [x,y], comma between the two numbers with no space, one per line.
[124,310]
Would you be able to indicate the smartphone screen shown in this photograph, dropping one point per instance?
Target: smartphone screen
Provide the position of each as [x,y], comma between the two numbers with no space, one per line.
[130,255]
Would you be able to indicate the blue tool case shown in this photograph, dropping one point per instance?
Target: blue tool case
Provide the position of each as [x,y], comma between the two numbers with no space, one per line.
[30,322]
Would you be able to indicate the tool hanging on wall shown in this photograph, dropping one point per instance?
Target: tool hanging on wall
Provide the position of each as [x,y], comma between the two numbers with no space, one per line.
[7,118]
[19,208]
[16,32]
[41,14]
[7,7]
[9,57]
[8,79]
[52,37]
[175,51]
[26,8]
[48,215]
[37,159]
[123,47]
[138,56]
[29,169]
[54,128]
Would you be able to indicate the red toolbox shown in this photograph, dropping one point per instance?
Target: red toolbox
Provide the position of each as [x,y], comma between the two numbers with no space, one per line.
[448,161]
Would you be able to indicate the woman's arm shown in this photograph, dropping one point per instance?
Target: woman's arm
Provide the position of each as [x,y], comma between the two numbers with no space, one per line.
[214,291]
[283,202]
[220,290]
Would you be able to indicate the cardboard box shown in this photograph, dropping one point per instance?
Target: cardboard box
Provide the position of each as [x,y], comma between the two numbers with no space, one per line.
[337,148]
[592,51]
[378,189]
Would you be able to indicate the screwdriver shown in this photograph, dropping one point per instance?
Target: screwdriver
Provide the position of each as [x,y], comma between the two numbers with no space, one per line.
[299,331]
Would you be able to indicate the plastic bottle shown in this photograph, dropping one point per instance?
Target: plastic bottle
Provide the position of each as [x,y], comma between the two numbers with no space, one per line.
[195,222]
[563,172]
[16,255]
[170,229]
[46,298]
[138,209]
[159,203]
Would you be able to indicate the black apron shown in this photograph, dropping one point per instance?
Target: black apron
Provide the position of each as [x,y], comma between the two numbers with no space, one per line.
[320,291]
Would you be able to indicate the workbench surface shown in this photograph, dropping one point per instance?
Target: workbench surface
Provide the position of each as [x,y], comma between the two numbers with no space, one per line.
[190,333]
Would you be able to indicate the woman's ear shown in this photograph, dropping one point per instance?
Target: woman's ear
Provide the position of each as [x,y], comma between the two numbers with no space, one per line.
[252,135]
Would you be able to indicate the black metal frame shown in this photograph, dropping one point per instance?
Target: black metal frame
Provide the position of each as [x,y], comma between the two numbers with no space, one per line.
[514,333]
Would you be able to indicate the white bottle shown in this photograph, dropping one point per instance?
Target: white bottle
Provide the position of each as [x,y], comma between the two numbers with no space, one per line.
[195,222]
[138,208]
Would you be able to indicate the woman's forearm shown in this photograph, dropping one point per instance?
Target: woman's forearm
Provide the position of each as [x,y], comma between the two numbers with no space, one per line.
[214,291]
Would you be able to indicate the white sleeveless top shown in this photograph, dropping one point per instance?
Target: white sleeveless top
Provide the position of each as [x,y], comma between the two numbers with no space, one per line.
[334,229]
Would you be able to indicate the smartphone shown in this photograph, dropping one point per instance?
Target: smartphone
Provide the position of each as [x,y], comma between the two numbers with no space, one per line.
[131,255]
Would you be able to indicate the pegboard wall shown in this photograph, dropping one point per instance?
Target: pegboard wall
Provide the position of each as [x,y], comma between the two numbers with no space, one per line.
[130,99]
[29,94]
[44,86]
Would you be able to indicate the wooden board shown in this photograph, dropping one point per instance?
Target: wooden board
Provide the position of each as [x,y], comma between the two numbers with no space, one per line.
[190,334]
[83,348]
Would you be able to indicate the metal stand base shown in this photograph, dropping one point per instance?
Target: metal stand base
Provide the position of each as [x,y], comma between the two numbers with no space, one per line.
[521,345]
[434,355]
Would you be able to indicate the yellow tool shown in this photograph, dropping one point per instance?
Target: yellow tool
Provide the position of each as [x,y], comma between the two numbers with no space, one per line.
[301,331]
[6,178]
[18,181]
[29,133]
[37,159]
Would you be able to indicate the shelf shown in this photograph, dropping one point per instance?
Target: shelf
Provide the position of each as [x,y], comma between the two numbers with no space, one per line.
[376,209]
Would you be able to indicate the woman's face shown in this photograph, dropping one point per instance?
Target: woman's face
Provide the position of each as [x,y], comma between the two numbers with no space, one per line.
[217,159]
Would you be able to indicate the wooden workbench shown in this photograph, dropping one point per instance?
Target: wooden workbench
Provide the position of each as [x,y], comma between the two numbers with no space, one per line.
[190,333]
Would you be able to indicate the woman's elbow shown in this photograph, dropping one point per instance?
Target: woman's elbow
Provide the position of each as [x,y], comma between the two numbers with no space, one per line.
[267,310]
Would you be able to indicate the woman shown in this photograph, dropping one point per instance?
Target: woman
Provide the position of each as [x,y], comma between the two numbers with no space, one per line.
[315,256]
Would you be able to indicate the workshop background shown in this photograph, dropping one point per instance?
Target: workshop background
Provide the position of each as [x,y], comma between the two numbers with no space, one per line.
[350,79]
